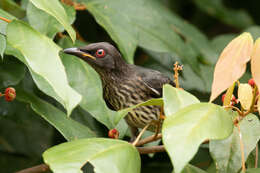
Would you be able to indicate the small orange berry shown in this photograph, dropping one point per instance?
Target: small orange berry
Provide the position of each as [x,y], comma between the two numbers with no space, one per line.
[251,82]
[113,133]
[10,94]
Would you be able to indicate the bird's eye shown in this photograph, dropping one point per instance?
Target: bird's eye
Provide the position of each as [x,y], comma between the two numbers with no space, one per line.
[100,53]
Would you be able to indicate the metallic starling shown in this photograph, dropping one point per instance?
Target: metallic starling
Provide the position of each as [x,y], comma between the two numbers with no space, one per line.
[124,85]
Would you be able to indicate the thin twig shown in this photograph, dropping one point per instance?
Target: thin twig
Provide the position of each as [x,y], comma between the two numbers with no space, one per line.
[140,134]
[256,156]
[4,19]
[242,149]
[36,169]
[151,149]
[148,139]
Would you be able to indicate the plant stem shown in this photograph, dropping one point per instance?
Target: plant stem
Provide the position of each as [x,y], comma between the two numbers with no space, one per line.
[256,156]
[36,169]
[242,149]
[149,139]
[151,149]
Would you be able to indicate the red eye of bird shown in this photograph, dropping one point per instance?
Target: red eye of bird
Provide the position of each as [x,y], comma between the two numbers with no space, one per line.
[100,53]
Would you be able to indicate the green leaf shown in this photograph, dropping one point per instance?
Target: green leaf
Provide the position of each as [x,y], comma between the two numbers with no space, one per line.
[2,45]
[12,7]
[188,80]
[106,155]
[11,72]
[226,153]
[254,31]
[192,36]
[192,169]
[55,9]
[3,24]
[68,127]
[253,170]
[184,131]
[41,56]
[144,25]
[45,23]
[176,99]
[23,131]
[236,18]
[220,42]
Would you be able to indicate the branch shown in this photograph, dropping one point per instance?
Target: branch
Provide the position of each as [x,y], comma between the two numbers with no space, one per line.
[36,169]
[149,139]
[152,149]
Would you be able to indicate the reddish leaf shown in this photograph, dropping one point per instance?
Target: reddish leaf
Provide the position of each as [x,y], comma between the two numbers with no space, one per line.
[231,64]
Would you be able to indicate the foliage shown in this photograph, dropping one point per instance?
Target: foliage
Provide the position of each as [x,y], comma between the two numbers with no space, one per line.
[59,98]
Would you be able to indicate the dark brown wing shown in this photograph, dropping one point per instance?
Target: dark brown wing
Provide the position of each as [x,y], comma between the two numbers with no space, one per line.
[153,79]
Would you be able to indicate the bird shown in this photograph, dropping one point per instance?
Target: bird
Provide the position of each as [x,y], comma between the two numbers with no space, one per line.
[124,84]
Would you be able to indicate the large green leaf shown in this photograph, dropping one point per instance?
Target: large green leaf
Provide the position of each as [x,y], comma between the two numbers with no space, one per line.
[3,24]
[176,99]
[12,7]
[227,154]
[236,18]
[2,45]
[45,23]
[23,131]
[184,131]
[191,169]
[106,155]
[220,42]
[253,170]
[11,72]
[68,127]
[254,31]
[55,9]
[188,80]
[141,23]
[40,54]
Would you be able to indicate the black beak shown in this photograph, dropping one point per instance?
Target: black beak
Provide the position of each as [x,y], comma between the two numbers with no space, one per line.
[77,52]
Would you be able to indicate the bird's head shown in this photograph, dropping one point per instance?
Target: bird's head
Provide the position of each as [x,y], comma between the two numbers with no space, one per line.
[101,56]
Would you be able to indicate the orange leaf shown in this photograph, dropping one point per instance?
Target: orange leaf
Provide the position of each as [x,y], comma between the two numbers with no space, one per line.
[231,64]
[255,63]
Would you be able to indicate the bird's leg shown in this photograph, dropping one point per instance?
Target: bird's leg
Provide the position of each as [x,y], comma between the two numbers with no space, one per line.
[134,133]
